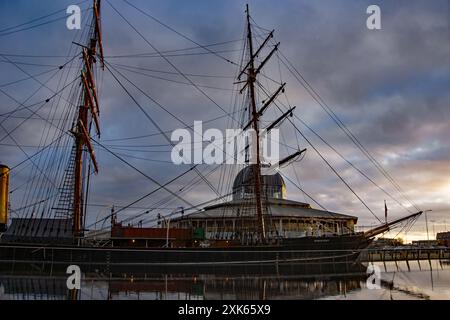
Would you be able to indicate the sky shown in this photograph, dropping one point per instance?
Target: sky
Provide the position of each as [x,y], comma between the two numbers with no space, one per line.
[390,87]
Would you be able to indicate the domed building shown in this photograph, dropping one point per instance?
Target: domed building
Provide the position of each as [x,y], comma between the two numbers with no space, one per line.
[236,219]
[272,185]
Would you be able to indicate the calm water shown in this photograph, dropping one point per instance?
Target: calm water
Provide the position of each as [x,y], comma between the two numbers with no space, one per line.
[424,280]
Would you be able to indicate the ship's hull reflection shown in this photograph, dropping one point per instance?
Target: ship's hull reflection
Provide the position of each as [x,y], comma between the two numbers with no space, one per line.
[240,288]
[282,282]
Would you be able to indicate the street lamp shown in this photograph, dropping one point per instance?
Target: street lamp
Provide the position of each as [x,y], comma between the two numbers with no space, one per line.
[434,233]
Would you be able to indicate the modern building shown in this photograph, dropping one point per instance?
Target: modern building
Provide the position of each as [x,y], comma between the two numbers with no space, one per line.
[443,238]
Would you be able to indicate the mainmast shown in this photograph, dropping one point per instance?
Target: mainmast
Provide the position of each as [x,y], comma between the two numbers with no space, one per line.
[88,111]
[251,78]
[252,72]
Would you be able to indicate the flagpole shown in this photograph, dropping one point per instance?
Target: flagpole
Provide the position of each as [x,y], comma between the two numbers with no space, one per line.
[385,211]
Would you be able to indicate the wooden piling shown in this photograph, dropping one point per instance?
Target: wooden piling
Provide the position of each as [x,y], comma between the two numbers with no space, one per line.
[407,260]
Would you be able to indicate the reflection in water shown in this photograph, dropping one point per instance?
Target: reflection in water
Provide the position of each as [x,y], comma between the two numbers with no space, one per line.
[180,288]
[212,288]
[399,280]
[32,288]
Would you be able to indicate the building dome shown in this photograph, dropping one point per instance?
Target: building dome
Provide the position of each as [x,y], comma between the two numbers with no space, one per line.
[273,186]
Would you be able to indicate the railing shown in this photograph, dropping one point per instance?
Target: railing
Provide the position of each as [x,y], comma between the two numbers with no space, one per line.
[405,254]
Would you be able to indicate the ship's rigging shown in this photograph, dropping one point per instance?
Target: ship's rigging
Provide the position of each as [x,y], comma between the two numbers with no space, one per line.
[70,199]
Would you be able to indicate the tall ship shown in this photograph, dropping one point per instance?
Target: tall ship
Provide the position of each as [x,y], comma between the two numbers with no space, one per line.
[252,223]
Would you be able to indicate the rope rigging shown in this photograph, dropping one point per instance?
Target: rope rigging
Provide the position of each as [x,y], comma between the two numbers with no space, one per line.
[9,30]
[52,161]
[342,126]
[43,185]
[342,157]
[166,59]
[151,193]
[166,131]
[331,167]
[313,93]
[171,80]
[108,67]
[177,32]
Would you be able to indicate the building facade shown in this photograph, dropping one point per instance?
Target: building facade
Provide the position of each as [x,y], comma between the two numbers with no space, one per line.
[283,218]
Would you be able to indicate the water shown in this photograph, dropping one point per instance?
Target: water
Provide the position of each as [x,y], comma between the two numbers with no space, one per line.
[424,280]
[397,281]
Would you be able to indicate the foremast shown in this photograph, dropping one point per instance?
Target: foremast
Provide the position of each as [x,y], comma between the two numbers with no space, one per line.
[88,112]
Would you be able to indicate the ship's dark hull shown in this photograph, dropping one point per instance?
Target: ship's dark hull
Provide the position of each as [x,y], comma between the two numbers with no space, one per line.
[309,251]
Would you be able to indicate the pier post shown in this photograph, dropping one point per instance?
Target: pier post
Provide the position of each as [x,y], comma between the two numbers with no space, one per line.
[395,259]
[418,258]
[407,260]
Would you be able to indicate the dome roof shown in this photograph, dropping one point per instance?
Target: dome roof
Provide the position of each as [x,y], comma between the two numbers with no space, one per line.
[245,178]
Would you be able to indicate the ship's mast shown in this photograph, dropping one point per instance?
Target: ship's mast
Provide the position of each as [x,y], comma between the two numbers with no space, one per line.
[251,78]
[87,111]
[252,72]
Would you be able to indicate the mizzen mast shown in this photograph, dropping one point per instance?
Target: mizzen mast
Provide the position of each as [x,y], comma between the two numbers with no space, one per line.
[88,111]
